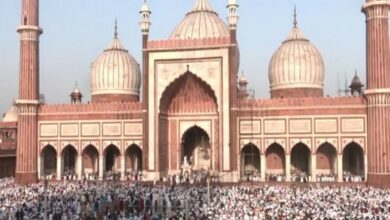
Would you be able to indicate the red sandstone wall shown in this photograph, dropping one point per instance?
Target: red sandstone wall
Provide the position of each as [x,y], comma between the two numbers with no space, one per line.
[114,98]
[93,111]
[302,106]
[297,92]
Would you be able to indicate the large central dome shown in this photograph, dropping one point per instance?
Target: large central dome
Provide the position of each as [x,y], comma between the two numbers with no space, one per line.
[296,68]
[115,75]
[201,22]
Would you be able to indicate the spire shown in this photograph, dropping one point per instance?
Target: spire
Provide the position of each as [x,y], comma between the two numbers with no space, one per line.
[115,44]
[295,16]
[116,30]
[296,33]
[202,5]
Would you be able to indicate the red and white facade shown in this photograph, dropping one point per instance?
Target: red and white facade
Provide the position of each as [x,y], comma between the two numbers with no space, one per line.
[191,108]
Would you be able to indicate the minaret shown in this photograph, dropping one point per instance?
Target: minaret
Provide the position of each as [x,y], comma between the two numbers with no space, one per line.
[378,91]
[233,13]
[145,26]
[28,102]
[233,17]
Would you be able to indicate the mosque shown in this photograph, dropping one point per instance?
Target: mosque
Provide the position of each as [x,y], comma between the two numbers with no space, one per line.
[185,103]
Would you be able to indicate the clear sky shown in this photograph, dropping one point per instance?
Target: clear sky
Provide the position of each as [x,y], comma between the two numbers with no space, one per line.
[77,31]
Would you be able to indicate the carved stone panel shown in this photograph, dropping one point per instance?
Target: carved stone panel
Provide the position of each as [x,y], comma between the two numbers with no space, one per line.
[250,127]
[133,129]
[274,126]
[112,129]
[352,125]
[90,129]
[300,126]
[70,130]
[326,125]
[48,130]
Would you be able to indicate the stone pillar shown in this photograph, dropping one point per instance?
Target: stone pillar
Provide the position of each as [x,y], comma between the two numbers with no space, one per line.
[59,167]
[123,167]
[365,167]
[339,168]
[313,167]
[39,166]
[101,167]
[288,168]
[79,167]
[378,91]
[262,167]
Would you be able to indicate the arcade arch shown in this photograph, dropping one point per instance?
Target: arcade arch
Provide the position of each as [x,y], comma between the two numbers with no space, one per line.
[250,160]
[275,159]
[326,159]
[69,157]
[134,158]
[300,159]
[353,159]
[49,160]
[111,158]
[90,160]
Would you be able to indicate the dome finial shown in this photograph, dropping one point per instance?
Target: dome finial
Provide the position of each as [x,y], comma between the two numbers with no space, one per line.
[116,29]
[295,16]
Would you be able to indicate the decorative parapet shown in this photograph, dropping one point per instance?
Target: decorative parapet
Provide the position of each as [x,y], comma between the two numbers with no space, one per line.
[303,102]
[118,107]
[189,43]
[8,124]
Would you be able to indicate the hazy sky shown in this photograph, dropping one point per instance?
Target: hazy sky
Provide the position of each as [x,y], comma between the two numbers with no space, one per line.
[77,31]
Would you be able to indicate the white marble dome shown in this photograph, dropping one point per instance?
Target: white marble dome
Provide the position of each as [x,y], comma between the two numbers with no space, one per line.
[115,72]
[11,115]
[296,64]
[201,22]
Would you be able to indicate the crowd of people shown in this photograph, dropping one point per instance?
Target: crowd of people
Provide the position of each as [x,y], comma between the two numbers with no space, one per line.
[113,200]
[350,177]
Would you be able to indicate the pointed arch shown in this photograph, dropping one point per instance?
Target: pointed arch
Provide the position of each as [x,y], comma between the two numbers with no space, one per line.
[188,94]
[326,159]
[133,158]
[49,159]
[111,156]
[196,148]
[353,159]
[90,159]
[275,159]
[300,158]
[250,159]
[69,156]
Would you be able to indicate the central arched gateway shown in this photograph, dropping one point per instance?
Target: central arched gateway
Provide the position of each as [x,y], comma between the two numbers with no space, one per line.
[186,102]
[196,148]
